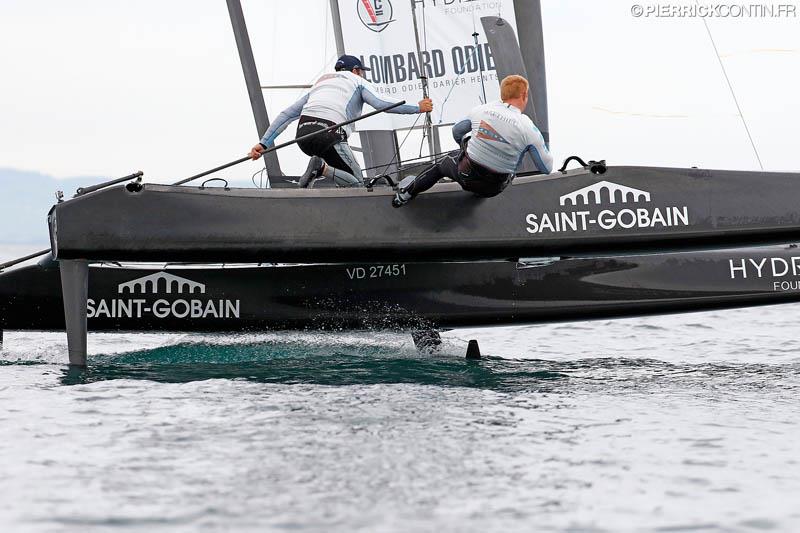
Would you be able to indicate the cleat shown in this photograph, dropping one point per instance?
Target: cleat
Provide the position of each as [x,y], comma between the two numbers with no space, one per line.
[313,171]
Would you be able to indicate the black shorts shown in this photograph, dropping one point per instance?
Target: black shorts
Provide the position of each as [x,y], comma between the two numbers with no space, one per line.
[479,180]
[324,144]
[472,177]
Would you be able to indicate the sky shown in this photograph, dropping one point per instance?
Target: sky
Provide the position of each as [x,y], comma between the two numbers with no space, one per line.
[105,87]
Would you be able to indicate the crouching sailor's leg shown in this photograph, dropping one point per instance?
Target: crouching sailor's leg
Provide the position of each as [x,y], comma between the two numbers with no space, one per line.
[411,186]
[313,171]
[342,166]
[75,290]
[341,178]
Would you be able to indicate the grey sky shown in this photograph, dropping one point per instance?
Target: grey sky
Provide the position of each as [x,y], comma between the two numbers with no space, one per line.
[106,87]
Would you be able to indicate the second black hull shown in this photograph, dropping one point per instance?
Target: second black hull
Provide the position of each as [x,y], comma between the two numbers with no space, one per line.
[404,296]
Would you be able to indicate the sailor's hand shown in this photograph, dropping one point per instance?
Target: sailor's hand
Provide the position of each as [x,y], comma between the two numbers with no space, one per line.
[256,151]
[425,105]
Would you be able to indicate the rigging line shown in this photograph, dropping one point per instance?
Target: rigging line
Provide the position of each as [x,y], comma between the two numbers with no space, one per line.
[424,73]
[273,35]
[260,174]
[325,19]
[412,160]
[733,94]
[422,140]
[315,77]
[425,28]
[400,146]
[453,86]
[474,27]
[480,67]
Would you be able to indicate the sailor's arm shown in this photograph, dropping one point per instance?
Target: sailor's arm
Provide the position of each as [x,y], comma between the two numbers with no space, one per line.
[370,96]
[461,129]
[538,151]
[287,116]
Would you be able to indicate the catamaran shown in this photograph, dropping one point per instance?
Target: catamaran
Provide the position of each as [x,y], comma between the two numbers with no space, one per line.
[579,243]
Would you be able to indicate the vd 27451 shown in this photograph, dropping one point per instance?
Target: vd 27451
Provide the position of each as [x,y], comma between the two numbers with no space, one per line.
[376,271]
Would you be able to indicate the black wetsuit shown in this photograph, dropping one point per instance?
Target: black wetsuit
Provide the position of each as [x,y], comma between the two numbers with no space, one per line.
[331,146]
[457,166]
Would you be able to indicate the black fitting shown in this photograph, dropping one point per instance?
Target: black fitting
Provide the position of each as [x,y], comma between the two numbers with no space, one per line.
[134,186]
[571,158]
[598,167]
[223,180]
[86,190]
[595,167]
[370,183]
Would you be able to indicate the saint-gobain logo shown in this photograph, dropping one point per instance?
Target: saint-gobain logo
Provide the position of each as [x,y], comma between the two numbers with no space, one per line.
[376,15]
[153,284]
[162,284]
[582,214]
[595,192]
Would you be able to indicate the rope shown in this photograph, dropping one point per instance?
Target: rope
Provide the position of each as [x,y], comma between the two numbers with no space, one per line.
[403,161]
[733,94]
[453,86]
[399,147]
[260,175]
[424,27]
[325,20]
[422,70]
[475,58]
[424,73]
[315,77]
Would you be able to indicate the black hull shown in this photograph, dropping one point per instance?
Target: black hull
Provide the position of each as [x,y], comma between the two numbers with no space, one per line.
[405,296]
[625,210]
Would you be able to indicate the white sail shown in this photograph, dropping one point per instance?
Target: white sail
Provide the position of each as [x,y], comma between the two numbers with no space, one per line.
[381,33]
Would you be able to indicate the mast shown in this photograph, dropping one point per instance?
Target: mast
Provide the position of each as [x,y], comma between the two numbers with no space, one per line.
[252,81]
[423,76]
[336,18]
[531,43]
[508,60]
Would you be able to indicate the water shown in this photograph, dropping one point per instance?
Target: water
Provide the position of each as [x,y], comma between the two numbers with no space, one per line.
[679,423]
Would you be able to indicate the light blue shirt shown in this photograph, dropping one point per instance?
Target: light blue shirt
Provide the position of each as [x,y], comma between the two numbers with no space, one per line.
[337,97]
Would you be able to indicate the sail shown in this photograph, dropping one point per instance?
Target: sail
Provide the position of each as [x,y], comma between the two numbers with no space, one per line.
[381,32]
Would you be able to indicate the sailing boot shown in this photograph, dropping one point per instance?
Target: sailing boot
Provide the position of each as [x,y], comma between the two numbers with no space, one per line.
[313,171]
[402,196]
